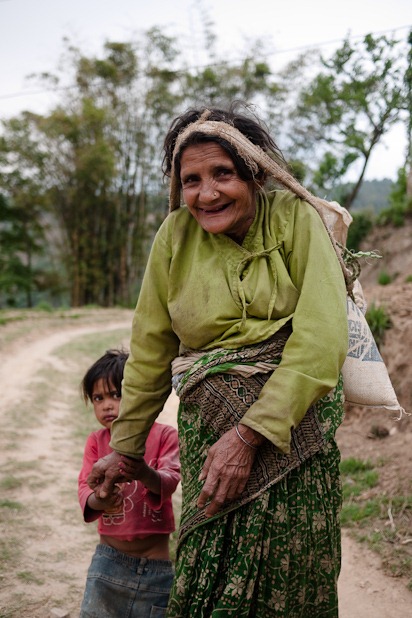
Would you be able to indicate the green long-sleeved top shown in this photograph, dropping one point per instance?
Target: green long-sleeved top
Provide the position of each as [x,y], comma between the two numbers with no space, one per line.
[203,291]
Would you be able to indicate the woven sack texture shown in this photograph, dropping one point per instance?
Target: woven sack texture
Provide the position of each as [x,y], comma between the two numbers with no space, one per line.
[366,381]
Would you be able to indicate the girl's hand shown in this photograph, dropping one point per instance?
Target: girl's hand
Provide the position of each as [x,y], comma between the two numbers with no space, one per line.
[111,503]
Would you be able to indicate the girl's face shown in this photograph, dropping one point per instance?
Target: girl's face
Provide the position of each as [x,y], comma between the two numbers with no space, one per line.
[106,403]
[219,200]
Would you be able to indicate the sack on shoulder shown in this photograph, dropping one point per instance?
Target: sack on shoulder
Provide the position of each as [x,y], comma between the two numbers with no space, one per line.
[366,381]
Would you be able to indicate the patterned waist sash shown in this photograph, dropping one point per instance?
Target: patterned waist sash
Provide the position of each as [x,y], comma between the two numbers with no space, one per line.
[215,392]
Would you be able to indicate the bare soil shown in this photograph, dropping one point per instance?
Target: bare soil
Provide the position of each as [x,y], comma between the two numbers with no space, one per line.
[45,548]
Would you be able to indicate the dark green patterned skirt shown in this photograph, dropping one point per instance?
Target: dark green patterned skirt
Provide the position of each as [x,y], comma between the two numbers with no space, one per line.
[276,551]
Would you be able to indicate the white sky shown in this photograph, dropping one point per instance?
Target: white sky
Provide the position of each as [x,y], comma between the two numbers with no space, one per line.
[31,33]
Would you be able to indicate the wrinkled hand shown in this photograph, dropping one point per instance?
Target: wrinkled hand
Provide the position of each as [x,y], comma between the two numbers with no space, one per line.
[111,504]
[105,474]
[132,469]
[227,469]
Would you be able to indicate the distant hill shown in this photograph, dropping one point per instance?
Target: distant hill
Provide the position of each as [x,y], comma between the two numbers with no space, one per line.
[373,195]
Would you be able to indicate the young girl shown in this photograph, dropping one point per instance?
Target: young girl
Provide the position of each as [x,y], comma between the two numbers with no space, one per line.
[130,573]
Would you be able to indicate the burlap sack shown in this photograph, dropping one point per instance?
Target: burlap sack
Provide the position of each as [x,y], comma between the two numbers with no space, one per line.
[366,381]
[337,219]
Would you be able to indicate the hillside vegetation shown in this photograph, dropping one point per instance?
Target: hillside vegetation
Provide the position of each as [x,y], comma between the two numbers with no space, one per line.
[376,445]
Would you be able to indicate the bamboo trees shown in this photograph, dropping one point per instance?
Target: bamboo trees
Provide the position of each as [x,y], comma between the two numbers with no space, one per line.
[103,166]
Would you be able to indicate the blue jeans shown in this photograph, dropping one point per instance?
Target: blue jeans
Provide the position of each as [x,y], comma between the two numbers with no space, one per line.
[119,586]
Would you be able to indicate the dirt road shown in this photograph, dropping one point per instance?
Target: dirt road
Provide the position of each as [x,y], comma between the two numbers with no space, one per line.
[46,544]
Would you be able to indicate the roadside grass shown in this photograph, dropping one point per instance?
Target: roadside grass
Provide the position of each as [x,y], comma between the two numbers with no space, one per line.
[28,577]
[10,504]
[382,522]
[23,321]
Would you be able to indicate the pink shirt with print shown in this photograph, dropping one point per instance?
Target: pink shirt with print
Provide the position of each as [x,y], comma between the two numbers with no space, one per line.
[144,512]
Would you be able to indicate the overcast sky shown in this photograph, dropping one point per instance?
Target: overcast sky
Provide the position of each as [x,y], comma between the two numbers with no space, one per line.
[31,33]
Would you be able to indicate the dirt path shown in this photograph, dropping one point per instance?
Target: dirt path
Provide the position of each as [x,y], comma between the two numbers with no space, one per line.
[53,546]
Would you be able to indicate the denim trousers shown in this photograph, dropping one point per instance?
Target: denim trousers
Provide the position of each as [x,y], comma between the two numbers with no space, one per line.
[119,586]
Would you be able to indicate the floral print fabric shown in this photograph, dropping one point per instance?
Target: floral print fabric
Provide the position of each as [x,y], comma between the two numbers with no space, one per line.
[275,553]
[276,556]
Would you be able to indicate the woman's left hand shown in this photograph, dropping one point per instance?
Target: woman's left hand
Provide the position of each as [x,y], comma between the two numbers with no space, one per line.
[132,469]
[226,471]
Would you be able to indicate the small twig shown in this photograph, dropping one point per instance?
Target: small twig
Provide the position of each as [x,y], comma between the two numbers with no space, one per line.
[391,518]
[365,254]
[351,259]
[404,507]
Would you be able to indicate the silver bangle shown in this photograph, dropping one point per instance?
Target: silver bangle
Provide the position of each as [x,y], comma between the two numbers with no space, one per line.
[243,439]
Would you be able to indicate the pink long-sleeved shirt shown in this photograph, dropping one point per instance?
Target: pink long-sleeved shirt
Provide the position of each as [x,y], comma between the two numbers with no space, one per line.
[144,512]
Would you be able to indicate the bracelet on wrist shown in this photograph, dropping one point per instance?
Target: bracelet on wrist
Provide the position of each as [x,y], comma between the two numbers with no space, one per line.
[244,439]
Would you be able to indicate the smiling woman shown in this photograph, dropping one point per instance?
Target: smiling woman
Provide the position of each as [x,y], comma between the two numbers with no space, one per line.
[243,303]
[216,196]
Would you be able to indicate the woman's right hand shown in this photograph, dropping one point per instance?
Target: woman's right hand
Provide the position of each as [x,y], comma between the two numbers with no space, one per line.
[226,471]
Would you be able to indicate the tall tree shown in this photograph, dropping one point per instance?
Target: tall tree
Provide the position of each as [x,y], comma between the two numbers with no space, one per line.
[103,145]
[23,220]
[22,244]
[348,107]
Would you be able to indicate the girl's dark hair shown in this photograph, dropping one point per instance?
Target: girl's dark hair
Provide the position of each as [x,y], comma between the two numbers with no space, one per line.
[252,128]
[108,368]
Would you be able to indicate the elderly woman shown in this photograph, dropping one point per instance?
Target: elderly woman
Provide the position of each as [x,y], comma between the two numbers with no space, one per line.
[244,301]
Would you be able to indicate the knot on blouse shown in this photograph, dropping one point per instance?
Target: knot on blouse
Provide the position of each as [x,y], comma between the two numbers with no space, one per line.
[244,262]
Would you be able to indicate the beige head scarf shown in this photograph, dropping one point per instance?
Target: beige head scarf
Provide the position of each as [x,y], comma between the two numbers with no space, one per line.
[256,159]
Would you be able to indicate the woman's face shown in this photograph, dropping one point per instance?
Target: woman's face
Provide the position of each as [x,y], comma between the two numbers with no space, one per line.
[219,200]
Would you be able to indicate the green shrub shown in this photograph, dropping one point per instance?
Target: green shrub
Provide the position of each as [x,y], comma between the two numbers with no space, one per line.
[379,322]
[351,466]
[400,202]
[384,278]
[359,228]
[353,512]
[395,215]
[44,306]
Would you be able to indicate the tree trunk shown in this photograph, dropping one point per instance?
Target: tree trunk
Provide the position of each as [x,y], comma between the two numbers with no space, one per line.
[409,183]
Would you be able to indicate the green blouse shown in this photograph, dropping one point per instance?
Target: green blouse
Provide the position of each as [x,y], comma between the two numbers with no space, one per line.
[203,291]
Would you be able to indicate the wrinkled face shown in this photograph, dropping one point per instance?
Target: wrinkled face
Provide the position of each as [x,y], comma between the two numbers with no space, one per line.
[219,200]
[106,403]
